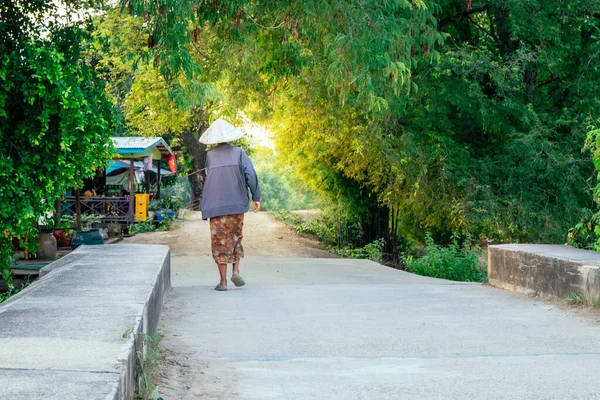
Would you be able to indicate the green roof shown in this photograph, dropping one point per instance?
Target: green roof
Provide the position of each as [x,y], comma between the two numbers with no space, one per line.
[138,147]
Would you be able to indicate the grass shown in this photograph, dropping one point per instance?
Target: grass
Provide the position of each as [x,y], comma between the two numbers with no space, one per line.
[146,368]
[147,390]
[318,228]
[326,235]
[577,299]
[372,251]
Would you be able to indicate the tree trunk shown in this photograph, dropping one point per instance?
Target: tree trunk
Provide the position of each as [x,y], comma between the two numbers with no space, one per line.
[198,152]
[501,22]
[463,25]
[57,212]
[158,179]
[530,79]
[77,210]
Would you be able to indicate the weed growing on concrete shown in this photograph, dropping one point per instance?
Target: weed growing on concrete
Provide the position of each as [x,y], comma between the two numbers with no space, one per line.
[575,299]
[147,367]
[146,370]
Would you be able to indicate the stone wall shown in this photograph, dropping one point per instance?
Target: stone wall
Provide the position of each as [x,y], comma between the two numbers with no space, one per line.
[549,270]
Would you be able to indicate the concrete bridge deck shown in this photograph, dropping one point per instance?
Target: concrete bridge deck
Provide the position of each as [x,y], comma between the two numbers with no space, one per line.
[350,329]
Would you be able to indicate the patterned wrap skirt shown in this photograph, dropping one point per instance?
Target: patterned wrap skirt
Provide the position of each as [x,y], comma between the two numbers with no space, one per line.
[226,238]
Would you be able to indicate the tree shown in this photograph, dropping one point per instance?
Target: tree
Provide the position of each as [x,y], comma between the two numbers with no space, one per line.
[179,108]
[55,121]
[490,142]
[447,116]
[366,46]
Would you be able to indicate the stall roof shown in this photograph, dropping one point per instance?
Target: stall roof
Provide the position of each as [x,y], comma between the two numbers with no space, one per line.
[114,165]
[139,147]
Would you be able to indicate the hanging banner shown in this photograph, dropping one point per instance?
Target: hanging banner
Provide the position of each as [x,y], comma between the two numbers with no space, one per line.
[172,163]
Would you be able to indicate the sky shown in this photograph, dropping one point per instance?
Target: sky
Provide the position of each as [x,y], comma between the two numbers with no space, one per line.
[258,135]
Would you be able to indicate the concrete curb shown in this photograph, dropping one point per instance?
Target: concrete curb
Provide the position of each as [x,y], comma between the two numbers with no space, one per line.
[550,270]
[62,338]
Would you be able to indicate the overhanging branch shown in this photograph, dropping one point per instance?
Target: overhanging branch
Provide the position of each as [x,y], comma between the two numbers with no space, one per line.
[462,14]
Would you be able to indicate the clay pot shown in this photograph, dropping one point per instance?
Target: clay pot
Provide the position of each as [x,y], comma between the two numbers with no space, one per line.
[47,248]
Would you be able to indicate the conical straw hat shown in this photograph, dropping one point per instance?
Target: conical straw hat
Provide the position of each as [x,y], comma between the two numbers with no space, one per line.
[221,131]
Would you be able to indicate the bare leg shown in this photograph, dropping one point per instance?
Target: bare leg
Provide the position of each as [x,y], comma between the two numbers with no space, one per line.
[235,275]
[223,273]
[236,268]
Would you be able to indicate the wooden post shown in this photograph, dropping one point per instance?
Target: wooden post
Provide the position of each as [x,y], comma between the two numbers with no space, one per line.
[77,210]
[147,179]
[57,212]
[131,192]
[158,180]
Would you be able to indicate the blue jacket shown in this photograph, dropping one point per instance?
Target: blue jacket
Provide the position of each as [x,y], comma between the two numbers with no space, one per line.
[229,174]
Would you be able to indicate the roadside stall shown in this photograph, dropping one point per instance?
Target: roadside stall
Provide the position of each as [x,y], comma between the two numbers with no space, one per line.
[122,191]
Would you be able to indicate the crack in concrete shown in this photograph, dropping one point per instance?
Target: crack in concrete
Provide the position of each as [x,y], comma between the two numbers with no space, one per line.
[117,373]
[276,358]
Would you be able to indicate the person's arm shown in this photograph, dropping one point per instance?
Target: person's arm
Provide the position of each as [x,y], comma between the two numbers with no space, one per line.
[251,180]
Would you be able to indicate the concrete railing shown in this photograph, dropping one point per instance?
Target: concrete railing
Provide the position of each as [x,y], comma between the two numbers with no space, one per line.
[549,270]
[75,333]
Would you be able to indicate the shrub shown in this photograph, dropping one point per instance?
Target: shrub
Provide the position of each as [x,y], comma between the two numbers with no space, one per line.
[454,262]
[373,251]
[154,205]
[142,227]
[323,230]
[8,294]
[171,203]
[165,225]
[293,220]
[149,226]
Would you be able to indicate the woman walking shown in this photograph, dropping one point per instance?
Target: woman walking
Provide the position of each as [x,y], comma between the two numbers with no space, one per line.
[229,174]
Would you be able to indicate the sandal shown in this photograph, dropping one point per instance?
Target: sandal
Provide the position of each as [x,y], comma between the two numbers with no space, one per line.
[238,280]
[221,288]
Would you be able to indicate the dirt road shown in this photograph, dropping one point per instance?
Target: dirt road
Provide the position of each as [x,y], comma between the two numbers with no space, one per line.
[263,237]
